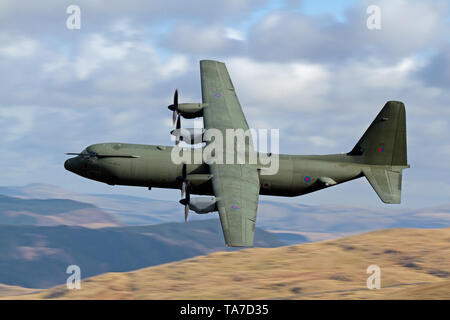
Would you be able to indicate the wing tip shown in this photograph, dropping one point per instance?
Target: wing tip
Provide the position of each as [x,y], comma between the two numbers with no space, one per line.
[240,244]
[209,61]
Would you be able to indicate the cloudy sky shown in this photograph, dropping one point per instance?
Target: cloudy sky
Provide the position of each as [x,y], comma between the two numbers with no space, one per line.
[310,68]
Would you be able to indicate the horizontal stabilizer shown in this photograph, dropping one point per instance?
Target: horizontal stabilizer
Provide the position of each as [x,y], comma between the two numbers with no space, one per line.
[386,183]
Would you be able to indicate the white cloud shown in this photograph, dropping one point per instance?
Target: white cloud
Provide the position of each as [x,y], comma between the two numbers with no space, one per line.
[176,64]
[410,25]
[280,85]
[234,34]
[319,141]
[396,75]
[437,128]
[187,37]
[18,48]
[125,27]
[15,122]
[406,27]
[320,82]
[97,50]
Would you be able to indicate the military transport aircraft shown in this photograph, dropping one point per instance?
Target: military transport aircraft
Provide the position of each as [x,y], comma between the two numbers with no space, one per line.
[380,156]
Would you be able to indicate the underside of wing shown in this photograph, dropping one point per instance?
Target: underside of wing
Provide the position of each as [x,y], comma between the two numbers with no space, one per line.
[237,189]
[236,186]
[222,108]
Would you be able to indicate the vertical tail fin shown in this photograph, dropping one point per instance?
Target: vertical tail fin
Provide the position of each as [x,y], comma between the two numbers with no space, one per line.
[384,142]
[383,147]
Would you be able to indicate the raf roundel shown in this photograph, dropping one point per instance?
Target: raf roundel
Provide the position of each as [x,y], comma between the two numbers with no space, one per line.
[307,179]
[380,149]
[235,207]
[218,95]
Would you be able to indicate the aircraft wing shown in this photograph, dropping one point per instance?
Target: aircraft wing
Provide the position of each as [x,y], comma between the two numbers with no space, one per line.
[236,186]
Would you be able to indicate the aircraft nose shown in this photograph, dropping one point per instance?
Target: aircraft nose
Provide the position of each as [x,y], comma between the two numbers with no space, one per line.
[67,165]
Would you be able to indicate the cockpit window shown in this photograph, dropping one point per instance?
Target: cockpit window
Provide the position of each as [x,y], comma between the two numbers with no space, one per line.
[84,154]
[88,155]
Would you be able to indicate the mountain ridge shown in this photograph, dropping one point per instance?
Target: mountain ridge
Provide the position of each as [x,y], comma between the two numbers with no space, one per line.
[273,215]
[38,256]
[413,263]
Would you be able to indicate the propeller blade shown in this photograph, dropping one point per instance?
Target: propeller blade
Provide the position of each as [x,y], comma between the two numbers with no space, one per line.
[186,212]
[185,195]
[174,107]
[188,199]
[72,154]
[174,117]
[188,195]
[185,203]
[178,126]
[175,98]
[183,171]
[183,189]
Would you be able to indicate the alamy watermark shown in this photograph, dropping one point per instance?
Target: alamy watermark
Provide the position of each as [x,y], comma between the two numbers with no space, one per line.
[374,280]
[74,20]
[74,280]
[373,22]
[231,146]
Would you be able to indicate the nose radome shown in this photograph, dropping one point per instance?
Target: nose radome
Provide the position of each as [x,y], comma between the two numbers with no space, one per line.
[67,165]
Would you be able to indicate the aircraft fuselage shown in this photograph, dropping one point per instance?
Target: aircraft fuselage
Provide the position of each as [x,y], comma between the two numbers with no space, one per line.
[151,166]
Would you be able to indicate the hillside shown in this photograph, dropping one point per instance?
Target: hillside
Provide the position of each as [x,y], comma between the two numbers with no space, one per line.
[52,212]
[37,257]
[414,264]
[289,219]
[127,210]
[6,290]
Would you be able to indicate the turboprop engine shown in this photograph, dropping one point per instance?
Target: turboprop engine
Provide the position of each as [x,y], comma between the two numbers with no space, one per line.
[188,111]
[201,205]
[188,135]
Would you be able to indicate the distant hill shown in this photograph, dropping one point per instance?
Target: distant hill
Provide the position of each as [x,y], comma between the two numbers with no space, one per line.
[347,218]
[37,257]
[414,264]
[127,210]
[289,220]
[52,212]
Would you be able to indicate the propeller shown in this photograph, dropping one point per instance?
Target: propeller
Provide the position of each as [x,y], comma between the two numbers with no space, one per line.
[176,117]
[185,202]
[185,194]
[178,126]
[174,107]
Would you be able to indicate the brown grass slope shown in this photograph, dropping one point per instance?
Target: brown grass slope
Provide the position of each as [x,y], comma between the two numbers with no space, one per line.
[6,290]
[415,264]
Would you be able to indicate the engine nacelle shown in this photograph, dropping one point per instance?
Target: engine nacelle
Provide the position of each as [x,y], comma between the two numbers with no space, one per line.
[190,110]
[189,135]
[202,205]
